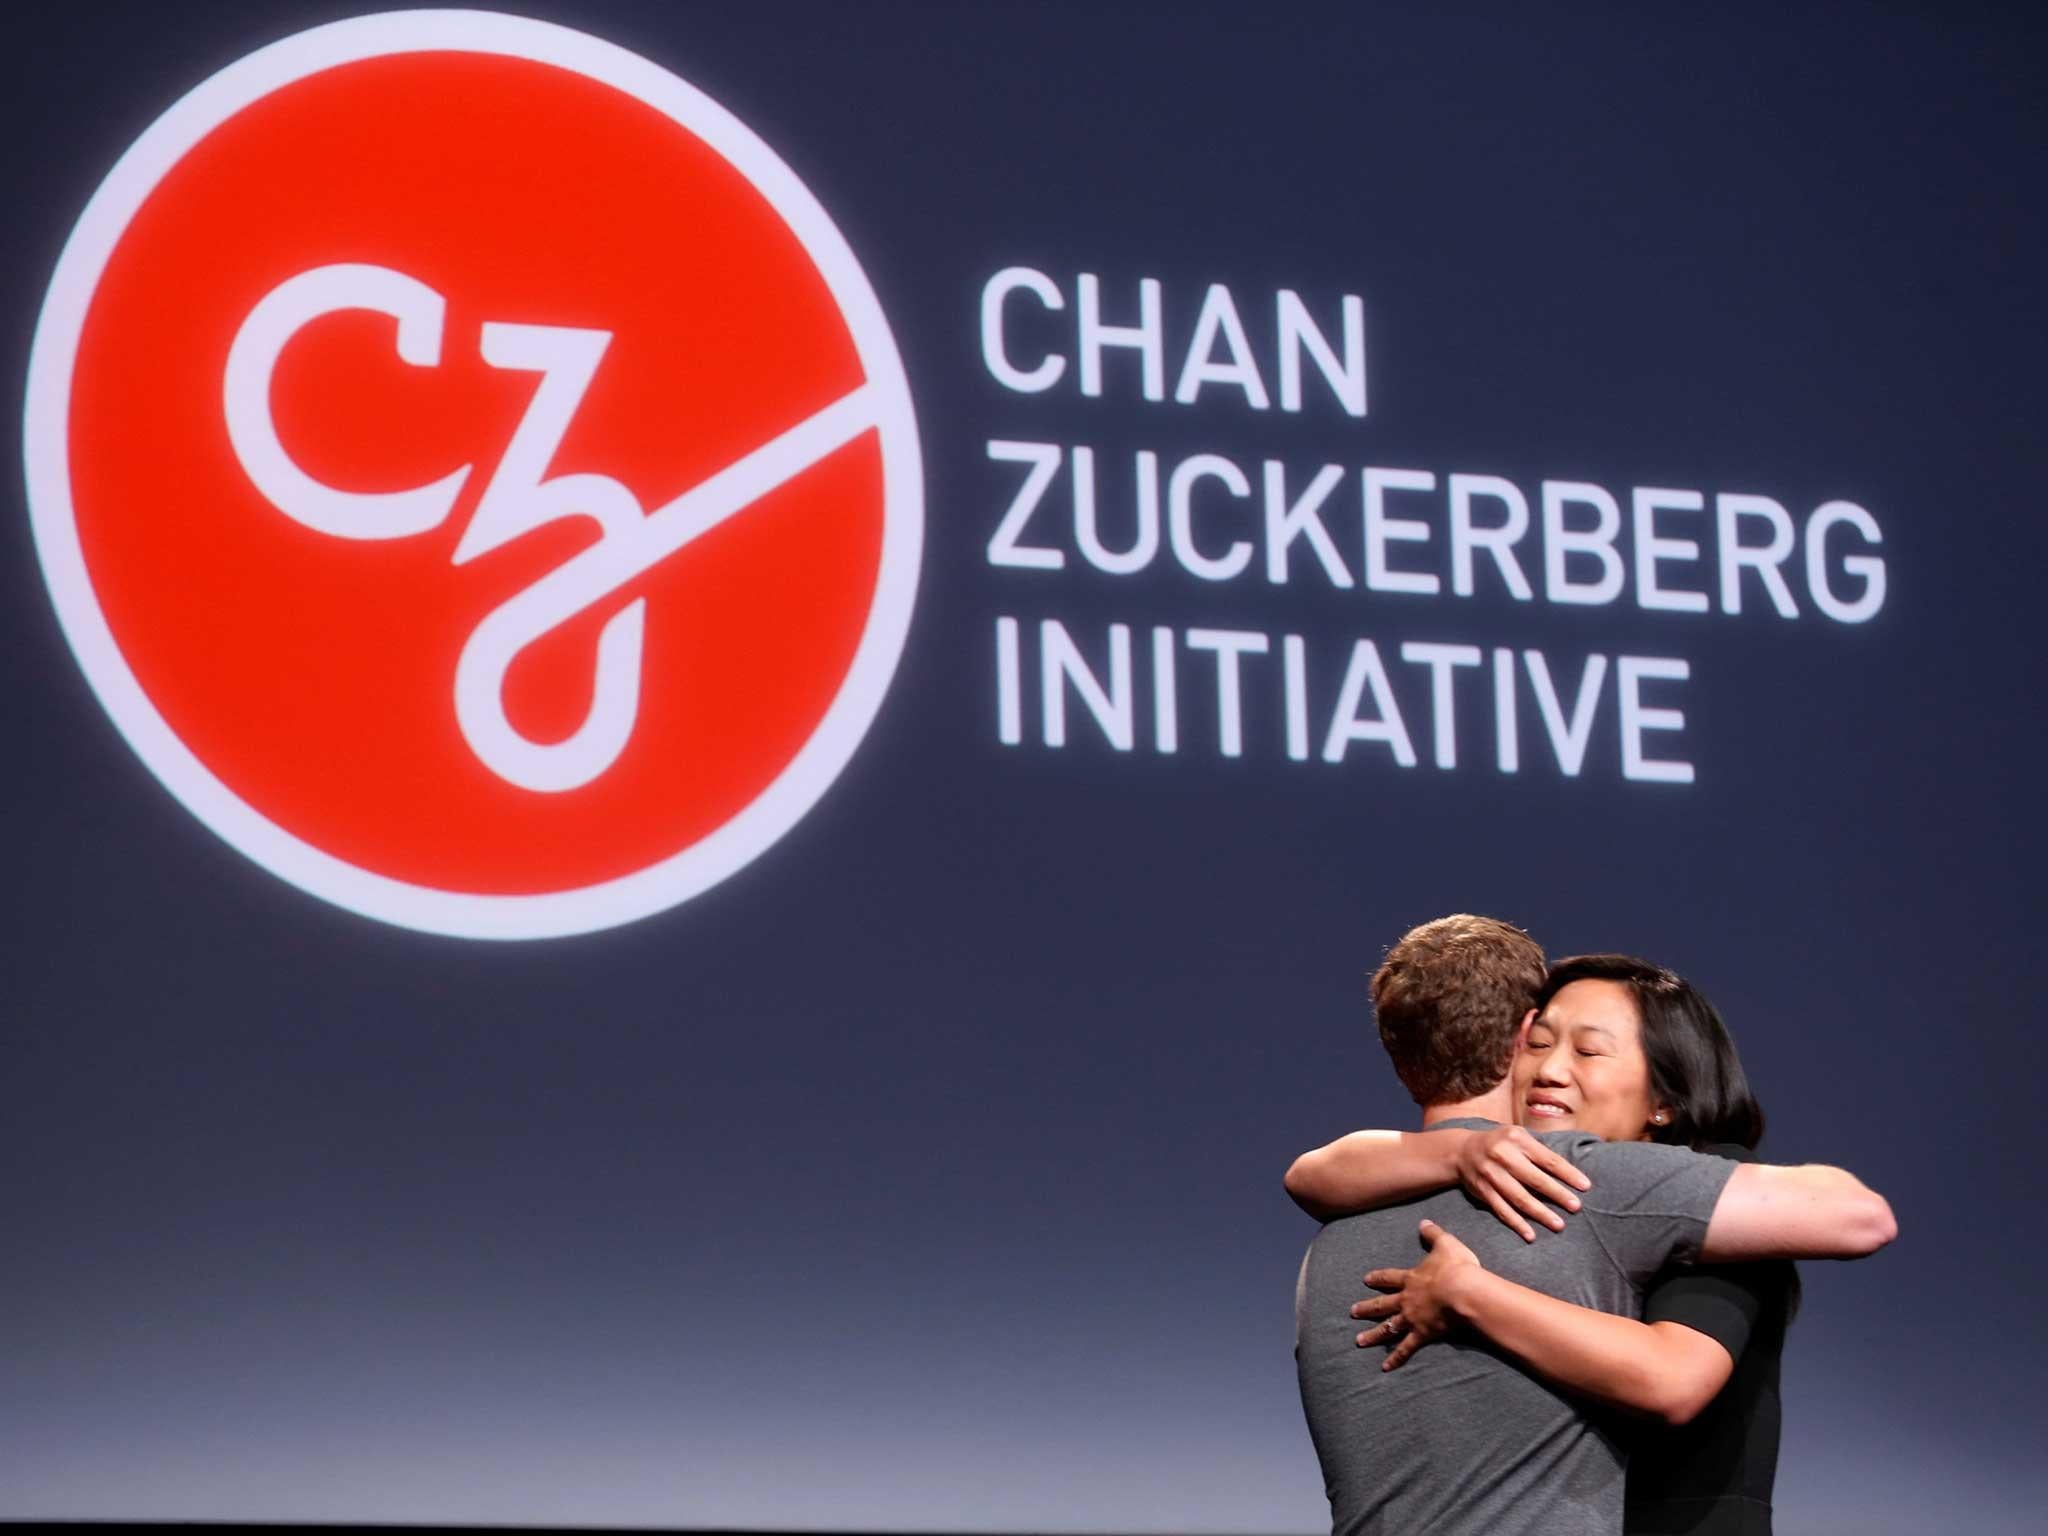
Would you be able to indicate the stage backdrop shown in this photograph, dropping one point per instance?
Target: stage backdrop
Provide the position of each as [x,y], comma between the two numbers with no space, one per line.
[715,710]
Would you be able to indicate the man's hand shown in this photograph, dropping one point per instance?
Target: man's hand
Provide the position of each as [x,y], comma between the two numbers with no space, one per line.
[1514,1174]
[1418,1308]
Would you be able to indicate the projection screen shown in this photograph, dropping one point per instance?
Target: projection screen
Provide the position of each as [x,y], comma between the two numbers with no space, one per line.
[717,709]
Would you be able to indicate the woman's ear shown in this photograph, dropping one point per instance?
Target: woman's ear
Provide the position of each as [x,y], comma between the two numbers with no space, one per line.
[1660,1117]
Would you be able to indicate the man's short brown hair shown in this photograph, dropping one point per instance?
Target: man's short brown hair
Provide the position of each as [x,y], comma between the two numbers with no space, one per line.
[1449,998]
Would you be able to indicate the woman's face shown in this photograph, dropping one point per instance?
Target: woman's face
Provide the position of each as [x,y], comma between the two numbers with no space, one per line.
[1581,1066]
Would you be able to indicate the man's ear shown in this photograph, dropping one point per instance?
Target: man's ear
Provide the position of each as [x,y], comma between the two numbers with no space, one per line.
[1522,1030]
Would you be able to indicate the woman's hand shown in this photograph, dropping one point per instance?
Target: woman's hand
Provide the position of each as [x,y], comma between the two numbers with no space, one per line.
[1514,1174]
[1665,1369]
[1420,1306]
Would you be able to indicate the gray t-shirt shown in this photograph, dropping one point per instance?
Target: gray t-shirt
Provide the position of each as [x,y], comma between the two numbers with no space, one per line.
[1460,1439]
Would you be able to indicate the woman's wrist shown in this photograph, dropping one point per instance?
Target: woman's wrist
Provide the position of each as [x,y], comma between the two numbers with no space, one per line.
[1464,1289]
[1449,1147]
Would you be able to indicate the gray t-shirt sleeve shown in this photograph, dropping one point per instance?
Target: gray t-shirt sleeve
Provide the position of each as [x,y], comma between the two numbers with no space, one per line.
[1649,1204]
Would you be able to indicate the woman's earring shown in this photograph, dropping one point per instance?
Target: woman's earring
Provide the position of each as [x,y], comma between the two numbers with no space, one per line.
[1660,1117]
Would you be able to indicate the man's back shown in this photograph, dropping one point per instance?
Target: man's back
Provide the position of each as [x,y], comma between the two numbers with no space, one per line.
[1459,1439]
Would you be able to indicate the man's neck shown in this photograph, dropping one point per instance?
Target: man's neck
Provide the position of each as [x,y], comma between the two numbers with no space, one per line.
[1496,1104]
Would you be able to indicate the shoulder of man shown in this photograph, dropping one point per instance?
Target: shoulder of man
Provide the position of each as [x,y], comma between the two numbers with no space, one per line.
[1649,1204]
[1726,1302]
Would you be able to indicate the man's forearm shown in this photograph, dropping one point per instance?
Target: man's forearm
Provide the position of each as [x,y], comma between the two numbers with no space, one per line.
[1807,1212]
[1369,1169]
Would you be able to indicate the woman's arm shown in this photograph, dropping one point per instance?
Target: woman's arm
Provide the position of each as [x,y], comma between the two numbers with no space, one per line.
[1368,1169]
[1665,1370]
[1507,1168]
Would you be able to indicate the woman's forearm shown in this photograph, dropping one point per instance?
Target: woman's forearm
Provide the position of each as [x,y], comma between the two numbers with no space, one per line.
[1369,1169]
[1666,1370]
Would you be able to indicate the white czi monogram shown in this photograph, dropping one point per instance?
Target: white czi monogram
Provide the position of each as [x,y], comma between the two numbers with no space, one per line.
[519,498]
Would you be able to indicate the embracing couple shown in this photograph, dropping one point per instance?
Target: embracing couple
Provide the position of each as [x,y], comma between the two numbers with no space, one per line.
[1571,1331]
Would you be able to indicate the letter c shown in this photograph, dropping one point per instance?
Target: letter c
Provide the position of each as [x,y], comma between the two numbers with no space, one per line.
[245,397]
[998,288]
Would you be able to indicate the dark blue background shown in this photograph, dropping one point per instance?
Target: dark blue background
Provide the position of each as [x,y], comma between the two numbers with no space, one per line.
[926,1173]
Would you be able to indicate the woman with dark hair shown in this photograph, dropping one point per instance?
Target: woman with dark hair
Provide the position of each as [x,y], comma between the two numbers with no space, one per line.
[1624,1050]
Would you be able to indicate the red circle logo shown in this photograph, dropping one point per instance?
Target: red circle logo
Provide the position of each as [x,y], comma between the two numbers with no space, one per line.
[474,473]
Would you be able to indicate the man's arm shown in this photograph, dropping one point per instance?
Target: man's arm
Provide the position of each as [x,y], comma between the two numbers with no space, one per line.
[1808,1212]
[1656,1204]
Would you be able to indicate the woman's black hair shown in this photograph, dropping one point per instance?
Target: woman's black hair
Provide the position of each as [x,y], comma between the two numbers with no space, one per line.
[1695,1073]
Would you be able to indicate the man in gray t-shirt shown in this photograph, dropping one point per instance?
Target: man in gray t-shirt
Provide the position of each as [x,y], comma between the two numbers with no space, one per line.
[1460,1439]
